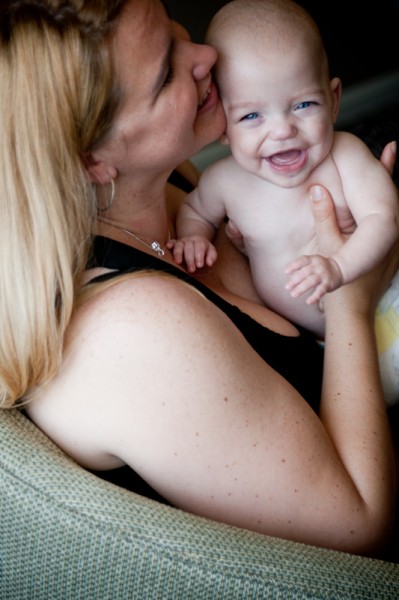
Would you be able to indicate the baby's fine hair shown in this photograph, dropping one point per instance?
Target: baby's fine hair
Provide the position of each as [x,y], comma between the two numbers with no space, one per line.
[265,22]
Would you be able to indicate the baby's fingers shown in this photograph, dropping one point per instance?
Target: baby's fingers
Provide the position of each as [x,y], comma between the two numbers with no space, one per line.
[177,249]
[317,294]
[300,283]
[193,256]
[297,264]
[197,251]
[194,251]
[211,255]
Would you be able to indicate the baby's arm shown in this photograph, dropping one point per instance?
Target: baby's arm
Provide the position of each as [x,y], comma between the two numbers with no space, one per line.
[194,236]
[197,220]
[373,200]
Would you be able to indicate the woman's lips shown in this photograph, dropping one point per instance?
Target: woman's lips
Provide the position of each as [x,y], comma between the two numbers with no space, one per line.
[209,99]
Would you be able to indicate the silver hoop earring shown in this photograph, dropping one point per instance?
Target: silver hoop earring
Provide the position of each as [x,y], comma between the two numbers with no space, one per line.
[111,200]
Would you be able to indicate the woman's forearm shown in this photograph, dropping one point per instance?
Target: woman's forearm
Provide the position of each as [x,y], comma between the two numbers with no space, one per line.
[352,407]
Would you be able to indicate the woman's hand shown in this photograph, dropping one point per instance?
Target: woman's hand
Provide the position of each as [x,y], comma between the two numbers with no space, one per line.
[330,238]
[388,156]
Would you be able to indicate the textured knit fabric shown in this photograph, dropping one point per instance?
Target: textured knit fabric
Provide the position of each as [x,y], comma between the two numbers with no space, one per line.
[65,534]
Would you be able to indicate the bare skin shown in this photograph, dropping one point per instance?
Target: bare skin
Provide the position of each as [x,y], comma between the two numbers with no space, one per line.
[281,106]
[217,415]
[217,431]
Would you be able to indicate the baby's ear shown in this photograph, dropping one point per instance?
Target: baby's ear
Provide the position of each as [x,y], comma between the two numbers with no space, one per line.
[224,139]
[336,92]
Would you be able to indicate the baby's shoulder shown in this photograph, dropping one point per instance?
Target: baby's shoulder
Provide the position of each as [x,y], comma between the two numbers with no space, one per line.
[225,168]
[219,183]
[346,143]
[226,180]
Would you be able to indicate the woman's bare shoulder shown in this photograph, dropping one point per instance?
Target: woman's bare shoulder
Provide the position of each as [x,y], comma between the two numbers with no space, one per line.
[129,348]
[134,305]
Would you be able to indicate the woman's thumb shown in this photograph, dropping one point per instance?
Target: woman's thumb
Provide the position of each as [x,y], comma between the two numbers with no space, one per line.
[327,230]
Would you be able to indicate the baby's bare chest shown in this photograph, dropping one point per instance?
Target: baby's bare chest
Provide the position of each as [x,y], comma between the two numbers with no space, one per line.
[276,226]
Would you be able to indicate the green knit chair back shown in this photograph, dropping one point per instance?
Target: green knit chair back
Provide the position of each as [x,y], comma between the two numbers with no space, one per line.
[65,534]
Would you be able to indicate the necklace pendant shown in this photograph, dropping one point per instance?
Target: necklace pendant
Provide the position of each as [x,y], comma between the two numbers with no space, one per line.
[157,248]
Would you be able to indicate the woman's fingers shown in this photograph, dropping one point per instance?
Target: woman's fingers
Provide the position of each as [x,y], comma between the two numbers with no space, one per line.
[388,156]
[328,233]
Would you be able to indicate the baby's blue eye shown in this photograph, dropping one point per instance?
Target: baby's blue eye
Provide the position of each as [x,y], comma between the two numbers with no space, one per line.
[250,117]
[305,104]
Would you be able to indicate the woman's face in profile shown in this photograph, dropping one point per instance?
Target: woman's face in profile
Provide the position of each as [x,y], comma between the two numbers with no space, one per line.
[170,108]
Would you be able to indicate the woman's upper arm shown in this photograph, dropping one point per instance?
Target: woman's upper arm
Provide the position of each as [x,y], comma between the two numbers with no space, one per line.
[157,377]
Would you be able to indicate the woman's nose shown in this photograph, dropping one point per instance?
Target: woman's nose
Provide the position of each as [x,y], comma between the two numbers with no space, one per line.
[204,58]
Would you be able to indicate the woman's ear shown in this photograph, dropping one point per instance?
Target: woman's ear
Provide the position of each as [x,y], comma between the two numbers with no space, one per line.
[98,170]
[336,92]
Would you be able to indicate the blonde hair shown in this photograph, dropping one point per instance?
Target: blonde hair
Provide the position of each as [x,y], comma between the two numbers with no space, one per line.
[57,101]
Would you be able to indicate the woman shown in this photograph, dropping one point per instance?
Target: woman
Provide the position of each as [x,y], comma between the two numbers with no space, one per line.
[195,388]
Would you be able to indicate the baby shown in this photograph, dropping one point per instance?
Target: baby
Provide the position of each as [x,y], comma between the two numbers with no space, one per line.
[281,106]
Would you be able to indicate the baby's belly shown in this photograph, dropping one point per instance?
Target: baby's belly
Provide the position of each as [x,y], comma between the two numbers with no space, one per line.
[270,285]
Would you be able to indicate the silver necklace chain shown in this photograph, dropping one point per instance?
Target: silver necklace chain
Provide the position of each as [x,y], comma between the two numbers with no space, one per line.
[154,246]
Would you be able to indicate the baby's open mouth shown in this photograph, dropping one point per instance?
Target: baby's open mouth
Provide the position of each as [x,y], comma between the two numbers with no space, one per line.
[285,158]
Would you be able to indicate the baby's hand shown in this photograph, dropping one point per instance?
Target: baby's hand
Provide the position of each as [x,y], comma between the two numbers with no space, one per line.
[315,271]
[196,251]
